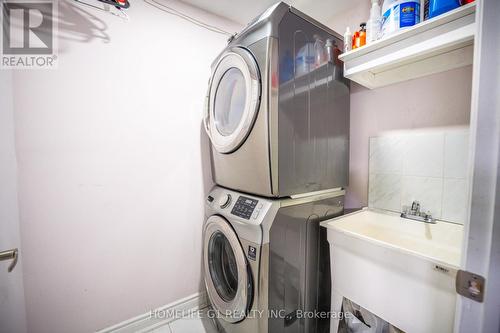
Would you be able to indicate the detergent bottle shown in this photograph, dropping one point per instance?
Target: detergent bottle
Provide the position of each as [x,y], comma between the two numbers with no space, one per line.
[438,7]
[399,14]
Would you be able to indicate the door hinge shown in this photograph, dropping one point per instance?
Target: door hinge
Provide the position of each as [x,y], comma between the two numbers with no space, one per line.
[470,285]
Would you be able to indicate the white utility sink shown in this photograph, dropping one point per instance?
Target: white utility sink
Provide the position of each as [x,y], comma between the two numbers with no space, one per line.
[399,269]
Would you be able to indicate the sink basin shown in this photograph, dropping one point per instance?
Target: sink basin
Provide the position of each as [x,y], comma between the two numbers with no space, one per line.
[440,242]
[399,269]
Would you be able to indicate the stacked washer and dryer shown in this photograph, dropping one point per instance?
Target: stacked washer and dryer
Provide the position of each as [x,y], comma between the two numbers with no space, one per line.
[279,127]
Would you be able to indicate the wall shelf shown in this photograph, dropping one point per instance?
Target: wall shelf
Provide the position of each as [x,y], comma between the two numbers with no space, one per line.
[436,45]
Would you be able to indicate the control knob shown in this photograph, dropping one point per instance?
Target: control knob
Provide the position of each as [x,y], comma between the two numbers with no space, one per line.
[225,200]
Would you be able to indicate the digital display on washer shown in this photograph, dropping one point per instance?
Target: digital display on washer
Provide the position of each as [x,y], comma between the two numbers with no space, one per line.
[244,207]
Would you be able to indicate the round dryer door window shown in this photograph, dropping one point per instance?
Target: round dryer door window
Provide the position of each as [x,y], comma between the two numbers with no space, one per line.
[233,99]
[230,100]
[227,276]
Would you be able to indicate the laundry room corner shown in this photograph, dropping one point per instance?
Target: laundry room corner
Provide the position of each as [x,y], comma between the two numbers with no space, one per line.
[433,104]
[235,166]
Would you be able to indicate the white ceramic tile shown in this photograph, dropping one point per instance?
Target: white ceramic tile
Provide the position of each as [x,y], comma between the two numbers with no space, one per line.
[420,165]
[386,154]
[384,191]
[456,154]
[193,325]
[454,200]
[423,155]
[428,191]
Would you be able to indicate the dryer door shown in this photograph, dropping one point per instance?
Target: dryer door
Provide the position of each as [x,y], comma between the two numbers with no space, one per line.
[227,276]
[233,100]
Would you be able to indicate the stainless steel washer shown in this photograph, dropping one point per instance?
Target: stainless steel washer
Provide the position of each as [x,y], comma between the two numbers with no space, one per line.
[267,260]
[230,284]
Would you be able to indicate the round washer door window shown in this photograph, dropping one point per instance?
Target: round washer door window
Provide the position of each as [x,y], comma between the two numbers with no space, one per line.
[234,99]
[226,274]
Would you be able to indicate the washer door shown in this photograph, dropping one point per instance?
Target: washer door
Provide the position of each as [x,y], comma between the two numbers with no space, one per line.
[233,100]
[227,276]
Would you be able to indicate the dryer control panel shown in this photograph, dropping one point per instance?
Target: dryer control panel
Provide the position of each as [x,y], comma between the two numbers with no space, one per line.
[244,207]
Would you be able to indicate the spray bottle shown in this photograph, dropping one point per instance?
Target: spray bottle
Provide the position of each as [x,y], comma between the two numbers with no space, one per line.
[373,24]
[347,40]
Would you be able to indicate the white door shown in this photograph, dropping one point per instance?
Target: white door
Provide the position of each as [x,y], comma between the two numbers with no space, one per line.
[481,251]
[233,100]
[12,309]
[227,276]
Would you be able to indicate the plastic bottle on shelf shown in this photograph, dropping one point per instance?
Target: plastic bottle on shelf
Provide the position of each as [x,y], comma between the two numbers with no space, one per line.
[373,24]
[359,38]
[347,40]
[362,34]
[438,7]
[399,14]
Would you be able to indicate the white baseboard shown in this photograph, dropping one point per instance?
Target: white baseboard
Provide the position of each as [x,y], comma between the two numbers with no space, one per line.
[160,316]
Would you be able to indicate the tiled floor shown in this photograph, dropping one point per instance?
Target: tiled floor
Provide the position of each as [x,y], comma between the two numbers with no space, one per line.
[188,325]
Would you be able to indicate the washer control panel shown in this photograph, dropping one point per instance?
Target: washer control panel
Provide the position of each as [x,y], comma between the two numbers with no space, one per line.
[237,206]
[225,200]
[244,207]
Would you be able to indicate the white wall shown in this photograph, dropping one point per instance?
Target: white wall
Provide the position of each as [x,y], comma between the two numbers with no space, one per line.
[112,172]
[437,101]
[12,308]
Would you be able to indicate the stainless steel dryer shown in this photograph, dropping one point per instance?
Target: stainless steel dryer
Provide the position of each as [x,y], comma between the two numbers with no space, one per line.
[277,110]
[266,261]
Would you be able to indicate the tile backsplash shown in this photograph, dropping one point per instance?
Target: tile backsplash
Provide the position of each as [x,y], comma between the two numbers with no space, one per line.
[429,166]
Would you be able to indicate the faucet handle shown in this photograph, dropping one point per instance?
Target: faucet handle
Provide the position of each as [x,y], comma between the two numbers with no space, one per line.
[415,206]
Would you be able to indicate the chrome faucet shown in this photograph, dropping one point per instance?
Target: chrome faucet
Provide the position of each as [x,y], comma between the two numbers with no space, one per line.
[414,213]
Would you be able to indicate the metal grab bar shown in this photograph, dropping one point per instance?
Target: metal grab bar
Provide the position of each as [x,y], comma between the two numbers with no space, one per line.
[10,255]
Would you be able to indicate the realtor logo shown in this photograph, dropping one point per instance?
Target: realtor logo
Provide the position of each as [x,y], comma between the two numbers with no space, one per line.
[28,34]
